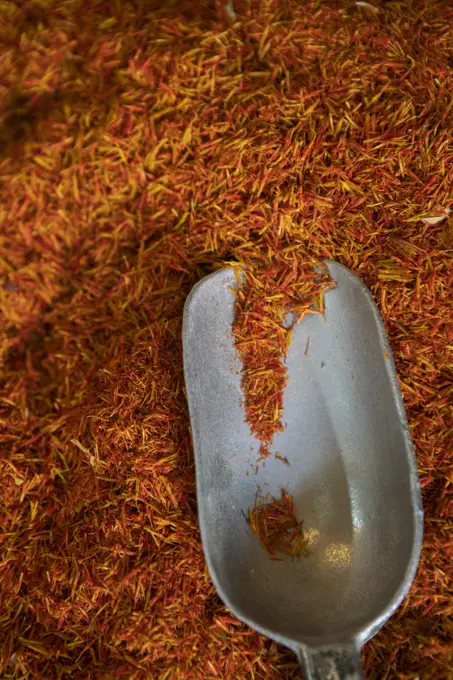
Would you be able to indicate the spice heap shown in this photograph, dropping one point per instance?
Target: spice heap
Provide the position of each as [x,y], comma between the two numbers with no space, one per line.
[142,145]
[271,298]
[274,522]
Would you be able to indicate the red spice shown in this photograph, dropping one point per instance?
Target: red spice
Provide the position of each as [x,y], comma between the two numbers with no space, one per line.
[274,522]
[141,147]
[273,295]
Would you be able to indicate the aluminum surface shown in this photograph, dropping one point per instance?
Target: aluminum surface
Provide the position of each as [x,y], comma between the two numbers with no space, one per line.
[352,471]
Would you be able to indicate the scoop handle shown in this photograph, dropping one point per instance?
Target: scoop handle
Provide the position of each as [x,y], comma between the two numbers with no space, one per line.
[341,662]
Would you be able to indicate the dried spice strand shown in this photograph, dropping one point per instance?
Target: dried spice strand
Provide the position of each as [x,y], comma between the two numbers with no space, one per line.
[289,286]
[274,523]
[284,459]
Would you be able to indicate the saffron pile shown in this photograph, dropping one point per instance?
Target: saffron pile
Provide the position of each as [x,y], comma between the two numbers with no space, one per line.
[270,299]
[144,145]
[274,523]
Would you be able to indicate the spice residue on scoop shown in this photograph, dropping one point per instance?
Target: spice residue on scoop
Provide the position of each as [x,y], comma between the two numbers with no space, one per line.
[270,292]
[274,522]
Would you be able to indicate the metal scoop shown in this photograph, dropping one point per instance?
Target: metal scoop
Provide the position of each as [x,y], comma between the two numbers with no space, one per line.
[352,473]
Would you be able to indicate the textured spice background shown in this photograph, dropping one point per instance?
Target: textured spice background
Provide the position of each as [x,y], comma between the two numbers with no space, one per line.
[140,148]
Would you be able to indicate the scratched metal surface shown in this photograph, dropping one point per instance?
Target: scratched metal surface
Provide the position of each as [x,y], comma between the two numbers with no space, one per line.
[352,469]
